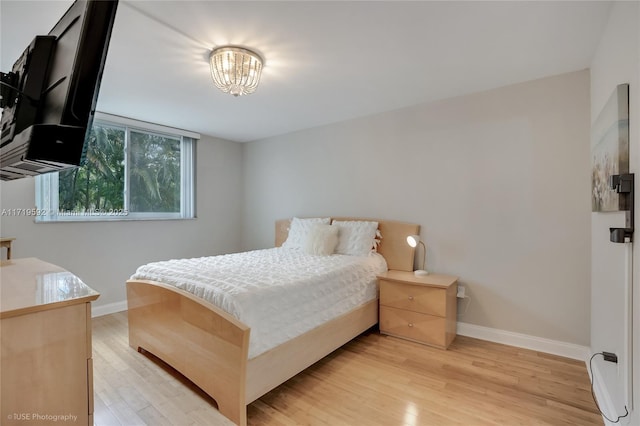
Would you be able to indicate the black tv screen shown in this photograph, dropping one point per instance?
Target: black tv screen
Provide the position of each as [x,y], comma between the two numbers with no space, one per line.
[50,95]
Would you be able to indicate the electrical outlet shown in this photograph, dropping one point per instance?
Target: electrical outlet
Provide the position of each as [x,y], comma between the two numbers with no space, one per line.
[461,291]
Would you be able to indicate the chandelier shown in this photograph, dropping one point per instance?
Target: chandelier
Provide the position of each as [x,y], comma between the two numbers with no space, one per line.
[235,70]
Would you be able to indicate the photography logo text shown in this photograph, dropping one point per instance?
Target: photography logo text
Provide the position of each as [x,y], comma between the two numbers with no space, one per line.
[53,418]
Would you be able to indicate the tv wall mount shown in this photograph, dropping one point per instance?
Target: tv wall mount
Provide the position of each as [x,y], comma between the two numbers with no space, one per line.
[623,185]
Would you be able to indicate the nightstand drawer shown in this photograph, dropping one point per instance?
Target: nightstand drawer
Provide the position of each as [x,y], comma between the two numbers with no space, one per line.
[416,298]
[422,328]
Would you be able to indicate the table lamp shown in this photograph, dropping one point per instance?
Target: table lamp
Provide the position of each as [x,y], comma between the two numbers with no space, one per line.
[413,241]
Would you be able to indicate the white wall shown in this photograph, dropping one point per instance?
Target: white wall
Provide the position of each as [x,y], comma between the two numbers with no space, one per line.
[105,254]
[499,181]
[616,61]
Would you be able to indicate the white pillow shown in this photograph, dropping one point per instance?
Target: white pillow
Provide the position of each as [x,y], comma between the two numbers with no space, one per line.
[356,238]
[322,240]
[299,229]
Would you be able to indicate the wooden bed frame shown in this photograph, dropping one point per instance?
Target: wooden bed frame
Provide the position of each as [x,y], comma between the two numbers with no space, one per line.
[209,346]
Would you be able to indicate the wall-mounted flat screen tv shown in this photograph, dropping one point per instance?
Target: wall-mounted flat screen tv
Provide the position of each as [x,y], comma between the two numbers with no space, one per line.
[49,97]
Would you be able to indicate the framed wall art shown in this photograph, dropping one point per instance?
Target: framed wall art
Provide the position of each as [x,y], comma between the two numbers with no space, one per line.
[610,151]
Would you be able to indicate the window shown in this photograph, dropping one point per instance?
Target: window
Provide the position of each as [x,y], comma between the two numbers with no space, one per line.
[132,171]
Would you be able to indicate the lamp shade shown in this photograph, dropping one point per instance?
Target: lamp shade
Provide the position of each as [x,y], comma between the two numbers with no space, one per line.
[413,240]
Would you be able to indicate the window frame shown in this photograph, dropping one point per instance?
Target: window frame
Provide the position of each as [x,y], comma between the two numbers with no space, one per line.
[46,185]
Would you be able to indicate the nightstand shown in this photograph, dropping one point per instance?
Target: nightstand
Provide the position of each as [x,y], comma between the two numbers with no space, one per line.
[418,308]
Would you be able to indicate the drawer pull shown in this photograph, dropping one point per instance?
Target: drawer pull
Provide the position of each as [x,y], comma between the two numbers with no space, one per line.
[410,297]
[410,324]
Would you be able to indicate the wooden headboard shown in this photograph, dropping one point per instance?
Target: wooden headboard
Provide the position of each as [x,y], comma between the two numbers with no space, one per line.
[393,245]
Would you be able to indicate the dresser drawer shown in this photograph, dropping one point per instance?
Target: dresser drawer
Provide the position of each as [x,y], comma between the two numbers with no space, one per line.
[416,298]
[422,328]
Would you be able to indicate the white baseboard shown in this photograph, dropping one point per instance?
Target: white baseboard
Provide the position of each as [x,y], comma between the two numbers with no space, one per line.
[569,350]
[605,402]
[110,308]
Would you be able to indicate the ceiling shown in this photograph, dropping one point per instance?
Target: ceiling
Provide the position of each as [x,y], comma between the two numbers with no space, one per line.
[325,61]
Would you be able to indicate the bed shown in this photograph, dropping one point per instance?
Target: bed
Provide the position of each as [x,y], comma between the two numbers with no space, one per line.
[210,347]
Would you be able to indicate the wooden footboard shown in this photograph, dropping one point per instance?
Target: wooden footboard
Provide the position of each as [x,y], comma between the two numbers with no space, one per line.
[204,343]
[210,347]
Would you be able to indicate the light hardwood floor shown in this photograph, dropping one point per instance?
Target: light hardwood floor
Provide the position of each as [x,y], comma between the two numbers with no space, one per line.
[373,380]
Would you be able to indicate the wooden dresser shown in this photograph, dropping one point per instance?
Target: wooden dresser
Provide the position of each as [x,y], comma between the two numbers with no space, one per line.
[418,308]
[45,319]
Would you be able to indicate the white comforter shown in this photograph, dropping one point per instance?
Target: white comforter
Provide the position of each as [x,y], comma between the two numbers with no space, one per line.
[280,293]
